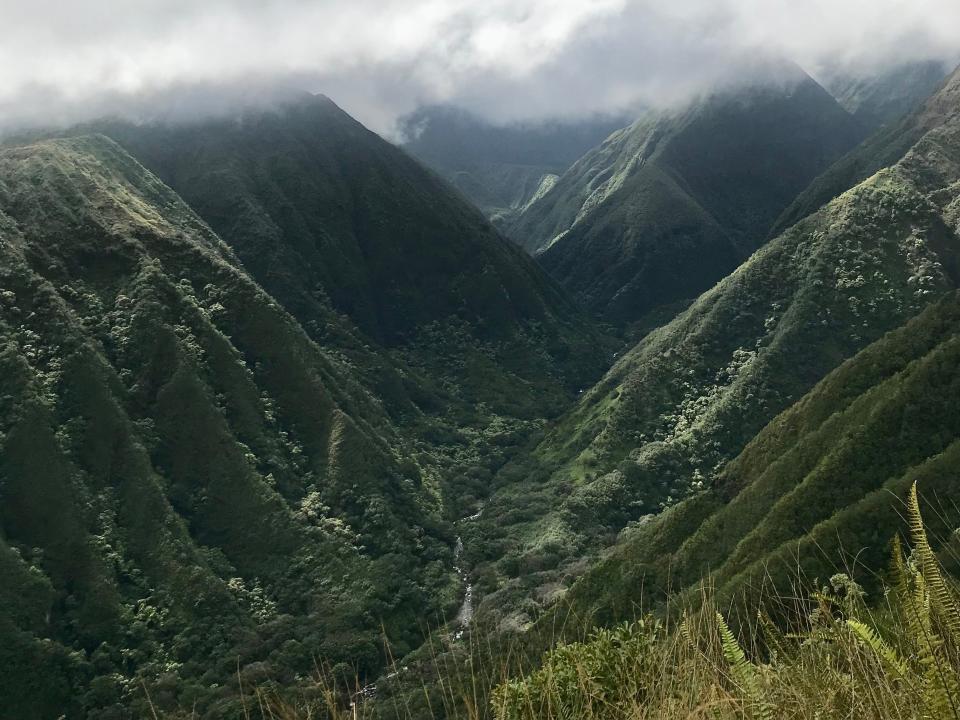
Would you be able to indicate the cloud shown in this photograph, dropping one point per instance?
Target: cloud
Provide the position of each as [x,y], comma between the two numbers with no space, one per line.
[505,59]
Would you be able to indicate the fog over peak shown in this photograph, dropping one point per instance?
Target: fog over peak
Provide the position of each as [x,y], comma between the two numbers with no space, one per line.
[504,60]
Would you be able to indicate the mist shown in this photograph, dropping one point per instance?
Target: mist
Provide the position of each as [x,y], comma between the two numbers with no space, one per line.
[503,60]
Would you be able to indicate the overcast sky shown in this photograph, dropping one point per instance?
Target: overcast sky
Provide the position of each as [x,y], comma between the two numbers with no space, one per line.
[506,59]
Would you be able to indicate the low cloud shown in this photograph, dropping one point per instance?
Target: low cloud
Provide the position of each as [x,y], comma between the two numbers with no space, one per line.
[503,59]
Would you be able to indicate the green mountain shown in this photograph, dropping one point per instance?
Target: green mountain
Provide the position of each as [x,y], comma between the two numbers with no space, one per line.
[331,219]
[247,385]
[500,168]
[189,485]
[691,395]
[819,490]
[665,208]
[885,147]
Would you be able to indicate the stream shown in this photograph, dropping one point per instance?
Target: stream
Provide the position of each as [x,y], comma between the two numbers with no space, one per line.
[464,614]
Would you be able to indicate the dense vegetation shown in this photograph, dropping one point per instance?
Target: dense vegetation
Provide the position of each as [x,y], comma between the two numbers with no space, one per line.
[846,656]
[188,481]
[690,396]
[665,208]
[272,394]
[883,148]
[814,501]
[210,462]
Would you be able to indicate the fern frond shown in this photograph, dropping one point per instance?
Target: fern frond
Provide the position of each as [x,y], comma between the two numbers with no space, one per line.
[744,672]
[869,637]
[941,595]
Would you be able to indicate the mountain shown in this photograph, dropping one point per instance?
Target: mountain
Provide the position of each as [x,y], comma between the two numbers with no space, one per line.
[876,99]
[190,487]
[500,168]
[253,368]
[691,395]
[327,216]
[883,148]
[670,205]
[826,481]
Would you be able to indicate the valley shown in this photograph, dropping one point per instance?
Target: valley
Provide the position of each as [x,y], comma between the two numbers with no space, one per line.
[290,421]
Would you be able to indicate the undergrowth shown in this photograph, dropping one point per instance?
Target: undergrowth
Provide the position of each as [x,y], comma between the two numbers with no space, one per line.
[844,655]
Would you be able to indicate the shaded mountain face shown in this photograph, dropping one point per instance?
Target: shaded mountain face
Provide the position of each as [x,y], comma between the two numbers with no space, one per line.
[691,395]
[500,168]
[331,219]
[189,485]
[665,208]
[885,147]
[876,100]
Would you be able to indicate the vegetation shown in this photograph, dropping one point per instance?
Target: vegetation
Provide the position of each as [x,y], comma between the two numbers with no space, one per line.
[841,653]
[690,396]
[891,141]
[188,481]
[898,657]
[665,208]
[272,408]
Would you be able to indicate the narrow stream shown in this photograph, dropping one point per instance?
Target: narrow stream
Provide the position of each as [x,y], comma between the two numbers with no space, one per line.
[465,614]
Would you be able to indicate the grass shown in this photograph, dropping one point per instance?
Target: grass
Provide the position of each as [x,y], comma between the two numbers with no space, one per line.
[841,654]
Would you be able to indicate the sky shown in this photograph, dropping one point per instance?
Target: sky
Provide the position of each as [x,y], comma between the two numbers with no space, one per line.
[503,59]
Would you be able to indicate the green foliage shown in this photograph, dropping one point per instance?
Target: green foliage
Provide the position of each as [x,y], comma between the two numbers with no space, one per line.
[585,679]
[665,208]
[690,397]
[846,661]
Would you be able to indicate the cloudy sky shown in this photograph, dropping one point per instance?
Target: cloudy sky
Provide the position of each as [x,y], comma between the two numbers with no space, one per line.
[506,59]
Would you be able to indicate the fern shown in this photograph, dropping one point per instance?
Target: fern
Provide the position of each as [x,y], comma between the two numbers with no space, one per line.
[869,637]
[744,672]
[941,595]
[775,639]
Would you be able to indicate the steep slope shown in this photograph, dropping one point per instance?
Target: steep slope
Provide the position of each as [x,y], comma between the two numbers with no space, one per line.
[883,148]
[876,99]
[825,483]
[190,488]
[665,208]
[691,395]
[499,168]
[324,213]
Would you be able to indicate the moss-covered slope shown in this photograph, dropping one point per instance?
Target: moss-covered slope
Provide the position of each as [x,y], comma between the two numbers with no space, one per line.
[668,206]
[325,215]
[189,485]
[691,395]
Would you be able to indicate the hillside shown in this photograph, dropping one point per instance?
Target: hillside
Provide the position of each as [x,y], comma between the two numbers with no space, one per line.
[665,208]
[690,396]
[190,487]
[499,168]
[885,147]
[826,482]
[331,219]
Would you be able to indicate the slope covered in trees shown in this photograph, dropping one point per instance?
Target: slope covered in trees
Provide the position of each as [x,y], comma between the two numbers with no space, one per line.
[882,149]
[668,206]
[690,396]
[326,215]
[821,489]
[190,487]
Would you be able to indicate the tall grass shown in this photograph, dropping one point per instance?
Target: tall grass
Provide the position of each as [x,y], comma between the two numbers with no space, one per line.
[893,657]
